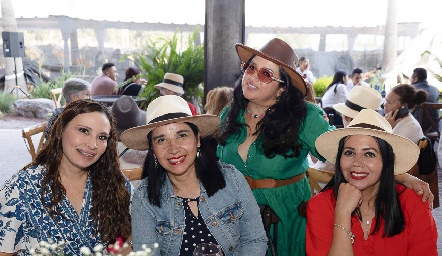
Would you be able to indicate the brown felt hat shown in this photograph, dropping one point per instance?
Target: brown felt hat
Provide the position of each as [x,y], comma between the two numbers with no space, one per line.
[280,53]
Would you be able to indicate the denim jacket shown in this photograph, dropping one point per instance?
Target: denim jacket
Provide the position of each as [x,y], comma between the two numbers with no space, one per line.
[231,215]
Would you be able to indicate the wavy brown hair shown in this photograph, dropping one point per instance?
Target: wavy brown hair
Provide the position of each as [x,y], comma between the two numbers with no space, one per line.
[217,99]
[110,197]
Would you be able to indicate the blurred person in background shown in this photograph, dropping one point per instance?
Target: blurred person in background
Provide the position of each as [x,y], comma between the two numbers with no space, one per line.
[304,70]
[105,84]
[173,84]
[73,89]
[132,88]
[217,99]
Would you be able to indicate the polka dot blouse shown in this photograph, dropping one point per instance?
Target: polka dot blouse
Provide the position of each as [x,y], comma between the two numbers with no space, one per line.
[196,231]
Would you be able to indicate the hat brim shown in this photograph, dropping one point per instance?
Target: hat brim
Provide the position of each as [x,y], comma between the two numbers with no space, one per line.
[173,88]
[406,152]
[136,138]
[245,53]
[343,109]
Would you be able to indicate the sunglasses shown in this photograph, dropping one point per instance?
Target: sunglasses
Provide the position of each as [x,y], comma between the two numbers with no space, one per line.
[264,75]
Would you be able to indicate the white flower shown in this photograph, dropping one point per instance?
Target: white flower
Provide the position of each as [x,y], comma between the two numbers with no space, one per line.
[45,251]
[148,250]
[98,248]
[44,244]
[155,245]
[84,250]
[144,246]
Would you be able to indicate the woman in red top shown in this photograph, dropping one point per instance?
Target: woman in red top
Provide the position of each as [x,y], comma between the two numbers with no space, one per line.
[364,212]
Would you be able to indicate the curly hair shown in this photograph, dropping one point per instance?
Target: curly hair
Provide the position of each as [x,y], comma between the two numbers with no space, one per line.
[110,197]
[280,124]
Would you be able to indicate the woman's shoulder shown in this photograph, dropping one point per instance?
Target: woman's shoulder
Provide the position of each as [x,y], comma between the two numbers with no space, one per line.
[228,169]
[409,199]
[230,172]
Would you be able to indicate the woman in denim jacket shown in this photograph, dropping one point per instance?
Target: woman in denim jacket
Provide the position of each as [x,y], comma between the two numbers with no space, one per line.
[186,196]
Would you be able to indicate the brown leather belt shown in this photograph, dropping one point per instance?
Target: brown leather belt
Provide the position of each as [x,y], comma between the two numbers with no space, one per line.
[271,183]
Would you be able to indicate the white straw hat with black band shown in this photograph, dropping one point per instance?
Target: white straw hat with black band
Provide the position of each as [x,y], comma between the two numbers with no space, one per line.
[166,110]
[370,122]
[360,97]
[173,82]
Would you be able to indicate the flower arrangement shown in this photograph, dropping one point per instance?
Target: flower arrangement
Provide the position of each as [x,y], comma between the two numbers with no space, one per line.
[55,249]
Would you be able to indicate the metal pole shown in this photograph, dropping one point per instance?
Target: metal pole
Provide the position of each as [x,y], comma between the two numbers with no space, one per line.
[16,80]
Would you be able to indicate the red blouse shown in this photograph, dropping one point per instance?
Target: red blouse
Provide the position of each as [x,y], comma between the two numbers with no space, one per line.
[418,238]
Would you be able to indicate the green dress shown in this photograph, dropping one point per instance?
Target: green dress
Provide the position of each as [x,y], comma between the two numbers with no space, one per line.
[283,200]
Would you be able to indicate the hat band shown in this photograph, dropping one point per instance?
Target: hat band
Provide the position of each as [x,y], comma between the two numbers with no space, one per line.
[353,106]
[168,81]
[369,126]
[168,116]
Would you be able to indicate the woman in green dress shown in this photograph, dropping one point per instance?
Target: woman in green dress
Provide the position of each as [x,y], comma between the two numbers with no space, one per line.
[267,132]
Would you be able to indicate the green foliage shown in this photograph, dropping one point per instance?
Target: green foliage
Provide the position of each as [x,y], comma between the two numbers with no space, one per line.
[44,89]
[321,84]
[164,56]
[6,101]
[439,61]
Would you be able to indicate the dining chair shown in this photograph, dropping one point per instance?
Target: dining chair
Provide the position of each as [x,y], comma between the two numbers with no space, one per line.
[432,131]
[56,95]
[316,176]
[427,171]
[27,134]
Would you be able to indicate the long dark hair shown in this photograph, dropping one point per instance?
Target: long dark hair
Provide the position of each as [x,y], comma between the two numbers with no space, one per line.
[338,78]
[387,205]
[110,197]
[280,125]
[207,169]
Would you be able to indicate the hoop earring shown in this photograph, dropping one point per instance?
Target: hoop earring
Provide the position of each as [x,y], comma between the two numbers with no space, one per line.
[198,152]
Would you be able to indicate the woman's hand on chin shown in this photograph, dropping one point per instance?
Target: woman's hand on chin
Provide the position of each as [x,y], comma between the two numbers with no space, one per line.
[349,198]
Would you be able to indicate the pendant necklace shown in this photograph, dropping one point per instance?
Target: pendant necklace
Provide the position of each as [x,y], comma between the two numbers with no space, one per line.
[367,230]
[254,115]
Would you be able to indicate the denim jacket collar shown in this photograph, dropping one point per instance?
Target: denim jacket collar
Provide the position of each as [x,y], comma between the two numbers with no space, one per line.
[167,190]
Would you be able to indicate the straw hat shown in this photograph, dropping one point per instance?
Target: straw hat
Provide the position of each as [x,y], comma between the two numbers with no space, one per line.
[369,122]
[173,82]
[166,110]
[127,114]
[280,53]
[359,98]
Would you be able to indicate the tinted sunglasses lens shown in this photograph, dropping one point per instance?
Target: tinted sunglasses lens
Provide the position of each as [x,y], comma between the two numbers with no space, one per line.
[264,76]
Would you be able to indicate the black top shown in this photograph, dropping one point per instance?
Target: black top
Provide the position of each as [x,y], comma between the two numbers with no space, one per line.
[131,89]
[196,231]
